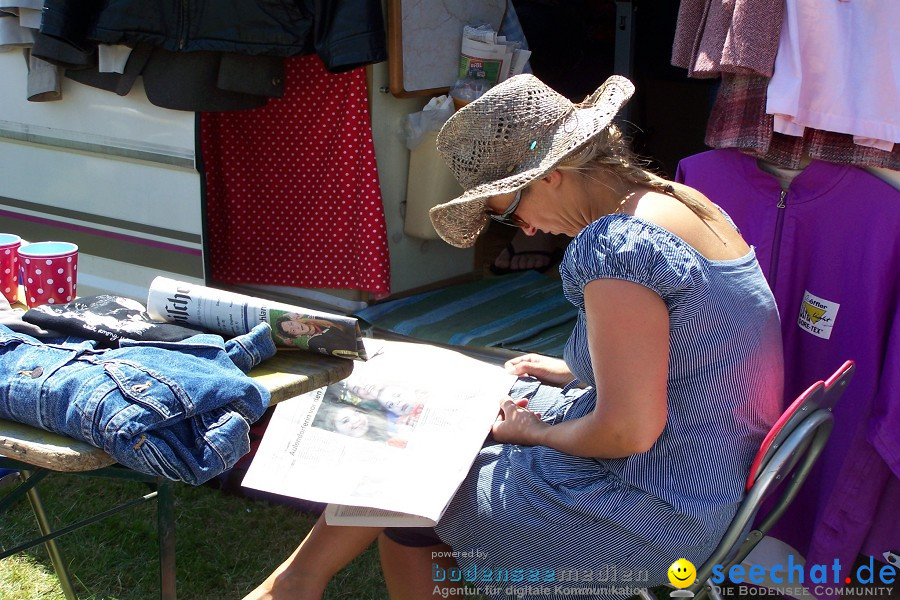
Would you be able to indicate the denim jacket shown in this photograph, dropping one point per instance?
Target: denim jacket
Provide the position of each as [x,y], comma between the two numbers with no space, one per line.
[181,410]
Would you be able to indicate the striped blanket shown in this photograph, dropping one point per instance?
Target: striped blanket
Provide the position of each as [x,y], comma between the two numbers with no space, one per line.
[521,311]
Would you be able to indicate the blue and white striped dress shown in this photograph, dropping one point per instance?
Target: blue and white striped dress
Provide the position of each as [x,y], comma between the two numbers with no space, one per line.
[610,523]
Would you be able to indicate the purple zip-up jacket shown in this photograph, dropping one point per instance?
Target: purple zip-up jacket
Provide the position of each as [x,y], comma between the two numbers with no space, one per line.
[829,247]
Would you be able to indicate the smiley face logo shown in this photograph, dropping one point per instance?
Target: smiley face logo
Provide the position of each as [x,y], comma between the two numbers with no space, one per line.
[682,573]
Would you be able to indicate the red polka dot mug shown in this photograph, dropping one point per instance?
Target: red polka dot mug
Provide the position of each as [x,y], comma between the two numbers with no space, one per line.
[49,272]
[9,265]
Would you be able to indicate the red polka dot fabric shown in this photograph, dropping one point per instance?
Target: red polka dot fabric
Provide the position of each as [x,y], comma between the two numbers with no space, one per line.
[292,189]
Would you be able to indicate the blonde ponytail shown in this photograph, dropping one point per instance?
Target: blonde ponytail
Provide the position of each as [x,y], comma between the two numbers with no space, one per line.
[610,150]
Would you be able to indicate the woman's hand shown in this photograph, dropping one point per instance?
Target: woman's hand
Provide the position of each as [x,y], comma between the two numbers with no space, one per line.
[517,425]
[546,369]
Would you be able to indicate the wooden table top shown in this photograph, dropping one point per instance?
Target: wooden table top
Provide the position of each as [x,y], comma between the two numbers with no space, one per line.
[293,372]
[287,374]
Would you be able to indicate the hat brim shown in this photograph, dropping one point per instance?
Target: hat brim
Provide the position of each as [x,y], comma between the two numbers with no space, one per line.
[460,221]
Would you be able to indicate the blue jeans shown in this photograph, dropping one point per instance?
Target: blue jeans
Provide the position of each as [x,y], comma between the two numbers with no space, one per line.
[181,410]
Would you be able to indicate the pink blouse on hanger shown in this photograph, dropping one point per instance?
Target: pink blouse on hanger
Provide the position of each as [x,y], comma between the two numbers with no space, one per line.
[838,69]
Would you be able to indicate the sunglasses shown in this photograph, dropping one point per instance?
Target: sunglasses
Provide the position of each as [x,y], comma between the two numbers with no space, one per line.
[508,217]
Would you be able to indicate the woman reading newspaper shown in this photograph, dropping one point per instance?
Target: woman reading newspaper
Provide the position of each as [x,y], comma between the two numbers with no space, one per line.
[671,379]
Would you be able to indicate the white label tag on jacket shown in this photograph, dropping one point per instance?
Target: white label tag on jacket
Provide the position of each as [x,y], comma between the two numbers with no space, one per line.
[817,315]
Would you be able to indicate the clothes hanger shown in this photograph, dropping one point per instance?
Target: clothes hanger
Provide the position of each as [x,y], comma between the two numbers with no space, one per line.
[784,175]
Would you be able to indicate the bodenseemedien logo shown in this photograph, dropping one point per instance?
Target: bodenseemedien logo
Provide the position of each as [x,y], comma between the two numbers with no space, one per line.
[682,574]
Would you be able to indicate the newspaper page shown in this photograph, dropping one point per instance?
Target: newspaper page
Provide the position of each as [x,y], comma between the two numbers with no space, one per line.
[397,436]
[232,314]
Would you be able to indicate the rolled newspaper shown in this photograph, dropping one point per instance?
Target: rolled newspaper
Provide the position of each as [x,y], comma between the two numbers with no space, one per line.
[229,314]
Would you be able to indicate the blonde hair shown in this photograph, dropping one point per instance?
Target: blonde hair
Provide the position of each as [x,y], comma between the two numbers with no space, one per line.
[610,150]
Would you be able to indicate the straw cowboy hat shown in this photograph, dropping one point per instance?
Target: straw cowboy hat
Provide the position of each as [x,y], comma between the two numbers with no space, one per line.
[515,133]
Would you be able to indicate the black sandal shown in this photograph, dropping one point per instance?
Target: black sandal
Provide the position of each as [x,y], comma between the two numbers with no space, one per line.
[554,256]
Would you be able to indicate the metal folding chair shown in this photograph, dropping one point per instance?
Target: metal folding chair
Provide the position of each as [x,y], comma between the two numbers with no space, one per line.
[781,465]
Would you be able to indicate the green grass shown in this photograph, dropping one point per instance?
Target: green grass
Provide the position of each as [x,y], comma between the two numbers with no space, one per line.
[225,545]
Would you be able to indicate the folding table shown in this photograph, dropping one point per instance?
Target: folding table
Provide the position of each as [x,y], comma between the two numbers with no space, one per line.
[36,453]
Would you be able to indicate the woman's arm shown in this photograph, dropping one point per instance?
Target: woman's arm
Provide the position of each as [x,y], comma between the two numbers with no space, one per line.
[628,339]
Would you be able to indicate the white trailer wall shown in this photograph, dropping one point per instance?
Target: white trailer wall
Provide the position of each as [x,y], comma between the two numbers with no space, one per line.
[113,174]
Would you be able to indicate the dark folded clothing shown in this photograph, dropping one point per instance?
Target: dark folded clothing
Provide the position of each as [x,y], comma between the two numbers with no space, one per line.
[12,318]
[106,319]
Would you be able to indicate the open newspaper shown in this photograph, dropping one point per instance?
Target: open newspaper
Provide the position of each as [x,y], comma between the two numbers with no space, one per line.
[228,313]
[389,445]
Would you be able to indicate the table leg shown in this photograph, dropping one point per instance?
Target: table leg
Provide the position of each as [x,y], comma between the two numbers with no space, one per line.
[59,565]
[165,518]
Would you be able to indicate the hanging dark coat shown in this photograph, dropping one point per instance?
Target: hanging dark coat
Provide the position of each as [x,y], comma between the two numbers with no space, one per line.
[344,33]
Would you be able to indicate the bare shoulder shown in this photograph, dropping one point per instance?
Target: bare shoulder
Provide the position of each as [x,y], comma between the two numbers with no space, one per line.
[714,237]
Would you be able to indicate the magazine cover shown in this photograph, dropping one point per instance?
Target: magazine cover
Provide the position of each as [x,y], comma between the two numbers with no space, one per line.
[228,313]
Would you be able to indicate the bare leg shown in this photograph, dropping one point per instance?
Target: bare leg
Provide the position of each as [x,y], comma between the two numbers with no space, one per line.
[408,571]
[305,574]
